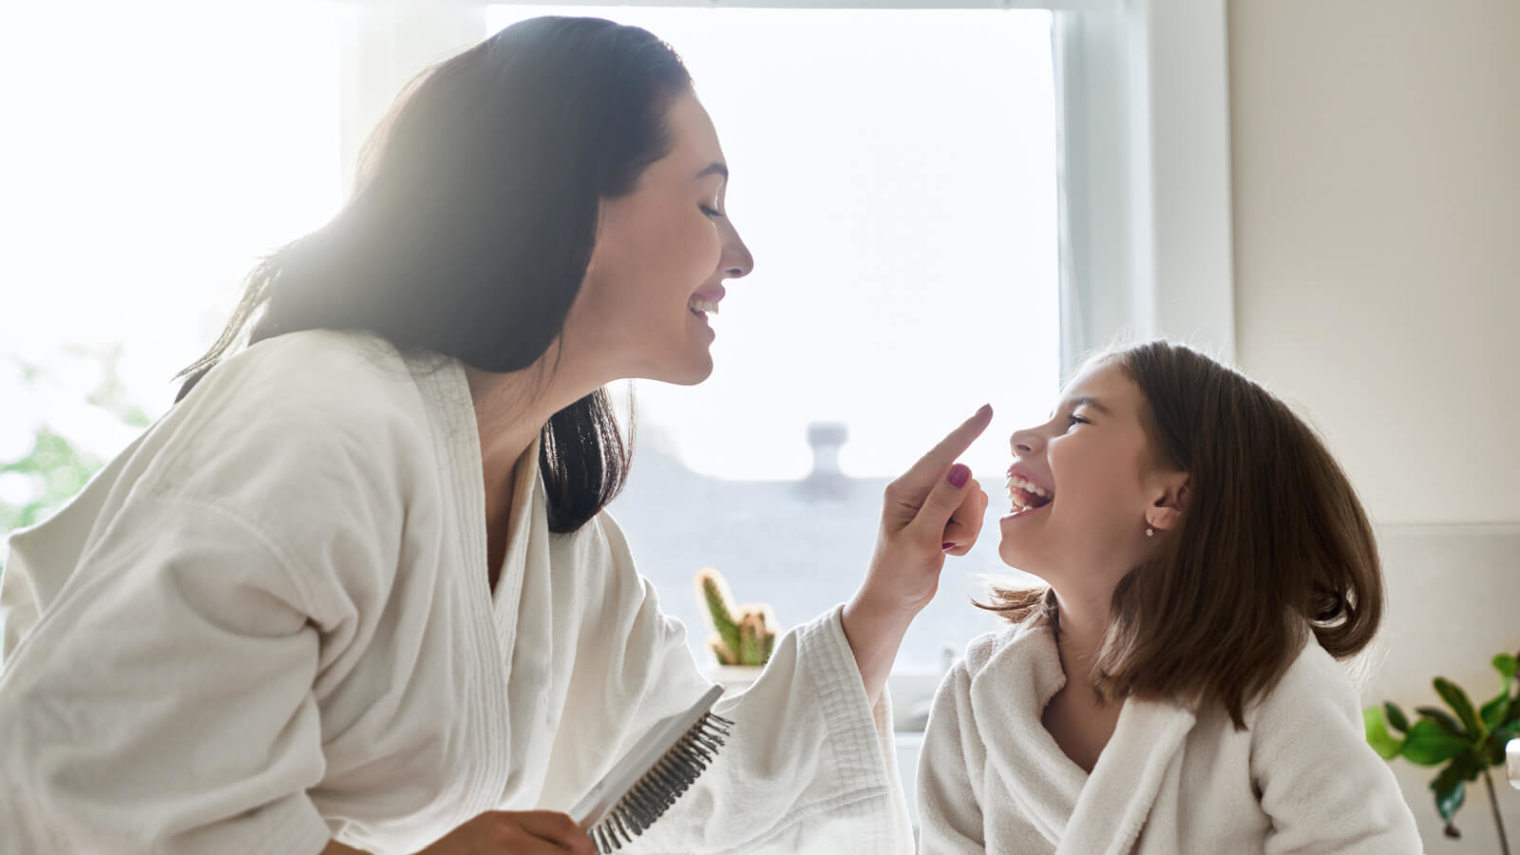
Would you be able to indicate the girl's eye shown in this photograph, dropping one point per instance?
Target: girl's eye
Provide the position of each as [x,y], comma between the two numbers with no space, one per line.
[711,212]
[1073,420]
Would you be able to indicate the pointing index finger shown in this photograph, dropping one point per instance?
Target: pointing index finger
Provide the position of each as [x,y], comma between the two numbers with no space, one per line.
[940,457]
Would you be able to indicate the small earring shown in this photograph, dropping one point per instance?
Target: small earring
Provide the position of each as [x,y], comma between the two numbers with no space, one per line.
[1150,532]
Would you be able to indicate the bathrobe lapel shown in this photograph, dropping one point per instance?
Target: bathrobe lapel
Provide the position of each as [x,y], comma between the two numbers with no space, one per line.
[1076,813]
[1113,807]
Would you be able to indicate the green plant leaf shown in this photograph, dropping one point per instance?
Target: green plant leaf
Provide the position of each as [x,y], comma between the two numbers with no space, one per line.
[715,596]
[1471,765]
[1495,711]
[1508,666]
[1396,717]
[1499,741]
[1457,699]
[1377,735]
[751,647]
[1444,719]
[1449,791]
[1430,744]
[721,651]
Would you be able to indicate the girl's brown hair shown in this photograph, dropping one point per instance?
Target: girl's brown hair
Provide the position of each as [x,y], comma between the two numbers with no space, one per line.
[1273,544]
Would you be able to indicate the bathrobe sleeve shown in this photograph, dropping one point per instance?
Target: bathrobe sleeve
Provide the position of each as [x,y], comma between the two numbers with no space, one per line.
[949,771]
[1324,789]
[166,699]
[164,702]
[810,765]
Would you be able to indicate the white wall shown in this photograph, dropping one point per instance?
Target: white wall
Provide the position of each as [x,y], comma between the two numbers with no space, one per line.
[1376,150]
[1376,167]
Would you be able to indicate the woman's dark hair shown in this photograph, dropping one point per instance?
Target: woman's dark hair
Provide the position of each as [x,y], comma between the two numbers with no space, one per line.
[473,218]
[1273,544]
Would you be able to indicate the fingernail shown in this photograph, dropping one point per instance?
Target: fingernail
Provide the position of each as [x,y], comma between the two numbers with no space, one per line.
[959,474]
[946,547]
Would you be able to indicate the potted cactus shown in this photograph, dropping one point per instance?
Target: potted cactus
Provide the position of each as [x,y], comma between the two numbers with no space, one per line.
[1467,740]
[742,636]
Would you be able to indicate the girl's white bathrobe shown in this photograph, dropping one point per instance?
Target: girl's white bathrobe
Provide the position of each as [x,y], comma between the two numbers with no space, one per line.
[269,622]
[1300,780]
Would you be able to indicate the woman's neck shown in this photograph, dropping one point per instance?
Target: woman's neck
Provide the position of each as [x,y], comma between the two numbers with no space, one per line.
[511,411]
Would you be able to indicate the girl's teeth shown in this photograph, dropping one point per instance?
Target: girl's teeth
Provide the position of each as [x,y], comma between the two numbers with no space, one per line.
[702,305]
[1018,488]
[1016,481]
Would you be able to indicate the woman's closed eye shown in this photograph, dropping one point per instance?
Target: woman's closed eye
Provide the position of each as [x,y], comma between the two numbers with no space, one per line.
[1073,420]
[711,212]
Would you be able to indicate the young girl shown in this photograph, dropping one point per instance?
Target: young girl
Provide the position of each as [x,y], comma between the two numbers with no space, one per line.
[1175,688]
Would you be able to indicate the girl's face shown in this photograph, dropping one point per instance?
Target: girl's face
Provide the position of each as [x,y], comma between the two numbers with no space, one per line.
[1084,488]
[659,262]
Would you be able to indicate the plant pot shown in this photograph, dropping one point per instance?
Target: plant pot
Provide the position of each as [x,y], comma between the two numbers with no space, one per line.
[734,678]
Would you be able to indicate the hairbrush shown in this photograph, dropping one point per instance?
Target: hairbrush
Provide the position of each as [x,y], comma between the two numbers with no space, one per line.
[653,775]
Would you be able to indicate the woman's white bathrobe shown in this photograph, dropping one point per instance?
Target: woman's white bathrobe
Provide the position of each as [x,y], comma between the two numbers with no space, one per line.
[269,622]
[1300,780]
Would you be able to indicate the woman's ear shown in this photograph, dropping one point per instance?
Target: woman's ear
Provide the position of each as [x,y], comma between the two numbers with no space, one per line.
[1171,502]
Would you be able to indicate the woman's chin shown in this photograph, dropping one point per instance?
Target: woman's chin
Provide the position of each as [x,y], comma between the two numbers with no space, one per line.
[698,369]
[691,368]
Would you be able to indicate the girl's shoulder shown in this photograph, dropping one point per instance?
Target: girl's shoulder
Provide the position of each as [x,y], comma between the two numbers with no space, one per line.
[1314,685]
[1023,653]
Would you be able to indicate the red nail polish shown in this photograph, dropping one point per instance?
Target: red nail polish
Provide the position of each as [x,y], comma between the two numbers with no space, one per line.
[959,474]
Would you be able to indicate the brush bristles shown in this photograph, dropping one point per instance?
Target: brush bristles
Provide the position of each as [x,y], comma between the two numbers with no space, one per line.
[670,776]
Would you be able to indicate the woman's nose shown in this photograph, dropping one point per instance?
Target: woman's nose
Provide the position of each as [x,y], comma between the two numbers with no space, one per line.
[736,262]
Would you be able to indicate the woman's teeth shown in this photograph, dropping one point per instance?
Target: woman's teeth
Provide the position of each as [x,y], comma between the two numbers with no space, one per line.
[699,304]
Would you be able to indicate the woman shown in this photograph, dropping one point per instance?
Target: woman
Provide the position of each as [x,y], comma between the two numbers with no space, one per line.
[358,589]
[1174,688]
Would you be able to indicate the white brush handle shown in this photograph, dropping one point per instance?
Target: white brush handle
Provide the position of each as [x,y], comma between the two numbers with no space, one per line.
[603,797]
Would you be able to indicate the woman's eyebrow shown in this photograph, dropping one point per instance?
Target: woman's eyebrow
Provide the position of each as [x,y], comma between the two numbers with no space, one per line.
[714,168]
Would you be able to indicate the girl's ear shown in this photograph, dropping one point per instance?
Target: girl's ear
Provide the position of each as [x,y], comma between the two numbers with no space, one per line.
[1171,502]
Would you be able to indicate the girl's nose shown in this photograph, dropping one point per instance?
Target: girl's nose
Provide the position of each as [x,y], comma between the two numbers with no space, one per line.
[1025,442]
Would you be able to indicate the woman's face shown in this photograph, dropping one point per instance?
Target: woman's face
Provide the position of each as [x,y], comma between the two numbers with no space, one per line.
[661,256]
[1091,461]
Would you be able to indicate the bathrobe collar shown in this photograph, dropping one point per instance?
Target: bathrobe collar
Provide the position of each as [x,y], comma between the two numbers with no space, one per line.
[1080,814]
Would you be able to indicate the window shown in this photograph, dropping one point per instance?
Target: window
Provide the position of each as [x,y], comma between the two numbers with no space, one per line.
[152,153]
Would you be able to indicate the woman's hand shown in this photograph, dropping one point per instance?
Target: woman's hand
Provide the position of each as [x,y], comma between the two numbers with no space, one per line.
[935,509]
[501,832]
